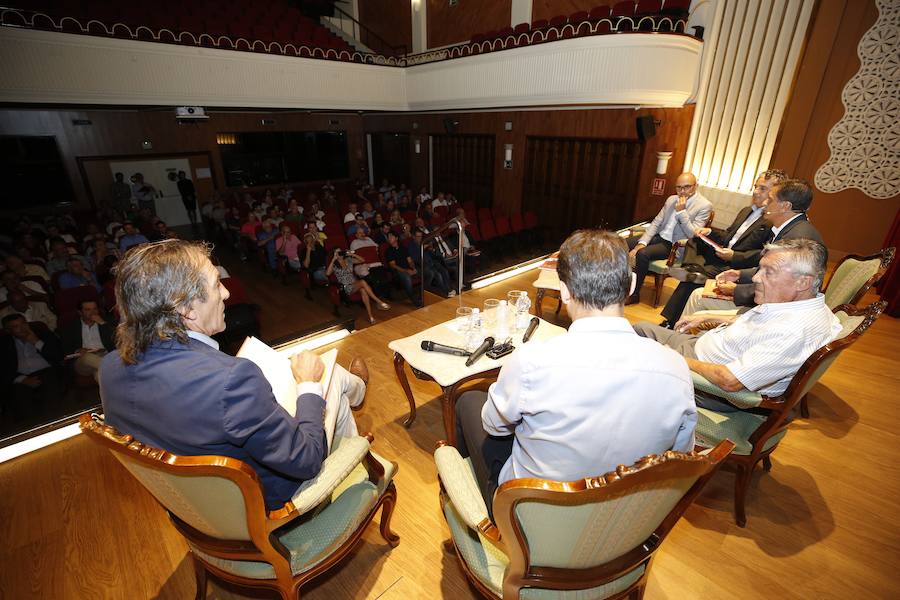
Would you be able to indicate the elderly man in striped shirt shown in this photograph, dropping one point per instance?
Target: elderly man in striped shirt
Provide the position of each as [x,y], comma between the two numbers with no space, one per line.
[762,349]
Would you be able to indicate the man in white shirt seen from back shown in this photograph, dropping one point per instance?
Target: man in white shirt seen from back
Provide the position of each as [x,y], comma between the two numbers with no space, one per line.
[582,403]
[763,348]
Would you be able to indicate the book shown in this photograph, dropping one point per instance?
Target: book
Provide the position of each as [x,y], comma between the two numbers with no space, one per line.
[709,291]
[709,241]
[276,368]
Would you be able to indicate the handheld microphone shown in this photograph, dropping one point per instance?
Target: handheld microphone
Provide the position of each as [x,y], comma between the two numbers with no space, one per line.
[435,347]
[531,327]
[480,351]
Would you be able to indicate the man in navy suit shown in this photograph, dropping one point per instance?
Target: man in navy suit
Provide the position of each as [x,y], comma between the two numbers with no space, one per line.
[786,210]
[169,386]
[748,233]
[684,212]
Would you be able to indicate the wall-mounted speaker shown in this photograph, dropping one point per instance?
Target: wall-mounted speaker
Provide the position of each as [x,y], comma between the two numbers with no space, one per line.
[646,127]
[451,125]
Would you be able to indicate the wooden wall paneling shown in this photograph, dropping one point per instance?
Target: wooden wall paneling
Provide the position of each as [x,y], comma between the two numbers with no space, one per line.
[388,19]
[120,133]
[828,62]
[547,9]
[454,24]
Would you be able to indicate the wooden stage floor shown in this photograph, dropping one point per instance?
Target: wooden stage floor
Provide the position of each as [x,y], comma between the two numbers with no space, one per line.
[823,524]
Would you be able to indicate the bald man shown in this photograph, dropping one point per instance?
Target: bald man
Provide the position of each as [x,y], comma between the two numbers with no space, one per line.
[681,216]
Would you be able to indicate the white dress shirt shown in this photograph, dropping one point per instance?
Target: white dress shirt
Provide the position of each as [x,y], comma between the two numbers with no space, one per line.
[777,230]
[90,336]
[750,220]
[766,346]
[584,402]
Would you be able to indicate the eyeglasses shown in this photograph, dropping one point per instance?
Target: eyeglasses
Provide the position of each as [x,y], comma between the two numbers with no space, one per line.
[684,187]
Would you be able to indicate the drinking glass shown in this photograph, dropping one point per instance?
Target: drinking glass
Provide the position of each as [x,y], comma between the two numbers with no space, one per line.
[490,313]
[463,319]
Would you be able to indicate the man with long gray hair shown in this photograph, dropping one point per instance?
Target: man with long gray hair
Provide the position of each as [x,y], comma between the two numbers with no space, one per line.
[763,348]
[579,404]
[169,386]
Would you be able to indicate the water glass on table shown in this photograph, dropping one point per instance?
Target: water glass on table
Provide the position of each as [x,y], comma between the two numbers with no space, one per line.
[463,320]
[489,317]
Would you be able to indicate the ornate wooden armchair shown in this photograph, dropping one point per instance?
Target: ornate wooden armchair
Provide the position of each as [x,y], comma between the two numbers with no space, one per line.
[592,538]
[757,429]
[660,268]
[854,275]
[217,504]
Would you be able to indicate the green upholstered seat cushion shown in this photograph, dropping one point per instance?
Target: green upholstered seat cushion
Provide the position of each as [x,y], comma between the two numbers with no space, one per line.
[660,266]
[738,426]
[311,540]
[488,563]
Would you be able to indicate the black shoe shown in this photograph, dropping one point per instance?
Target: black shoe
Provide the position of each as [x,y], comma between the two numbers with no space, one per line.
[632,299]
[687,275]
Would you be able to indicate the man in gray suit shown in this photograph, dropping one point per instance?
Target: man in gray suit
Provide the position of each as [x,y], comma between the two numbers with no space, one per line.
[683,213]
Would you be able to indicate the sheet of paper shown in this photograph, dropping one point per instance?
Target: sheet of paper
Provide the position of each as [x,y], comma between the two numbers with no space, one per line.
[276,368]
[709,241]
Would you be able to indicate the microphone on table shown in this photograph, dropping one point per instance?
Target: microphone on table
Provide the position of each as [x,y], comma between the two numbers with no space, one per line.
[480,351]
[435,347]
[532,325]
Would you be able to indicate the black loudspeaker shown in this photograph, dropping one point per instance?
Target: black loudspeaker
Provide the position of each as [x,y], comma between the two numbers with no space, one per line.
[450,125]
[646,128]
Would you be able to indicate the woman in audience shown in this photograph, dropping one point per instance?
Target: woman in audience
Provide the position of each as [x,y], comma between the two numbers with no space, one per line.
[314,258]
[396,219]
[379,221]
[342,267]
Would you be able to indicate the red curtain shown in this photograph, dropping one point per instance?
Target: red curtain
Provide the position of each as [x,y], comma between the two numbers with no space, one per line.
[889,286]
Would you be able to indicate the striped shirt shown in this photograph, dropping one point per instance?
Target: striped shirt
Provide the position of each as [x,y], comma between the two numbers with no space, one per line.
[766,346]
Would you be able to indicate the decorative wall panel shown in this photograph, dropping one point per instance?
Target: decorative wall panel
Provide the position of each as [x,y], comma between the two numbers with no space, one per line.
[865,143]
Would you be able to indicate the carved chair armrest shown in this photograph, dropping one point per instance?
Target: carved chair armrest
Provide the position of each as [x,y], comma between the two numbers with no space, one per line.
[460,486]
[335,468]
[673,253]
[742,399]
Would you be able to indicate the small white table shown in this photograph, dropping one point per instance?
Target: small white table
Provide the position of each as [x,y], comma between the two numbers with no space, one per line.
[448,371]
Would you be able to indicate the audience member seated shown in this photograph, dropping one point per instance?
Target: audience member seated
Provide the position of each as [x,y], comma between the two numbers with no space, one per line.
[104,258]
[196,400]
[76,275]
[287,246]
[426,213]
[453,238]
[402,266]
[433,271]
[351,214]
[380,235]
[161,231]
[748,232]
[144,193]
[88,339]
[294,213]
[265,239]
[584,402]
[378,222]
[312,228]
[59,256]
[786,210]
[341,265]
[314,257]
[360,223]
[31,361]
[31,310]
[449,256]
[30,289]
[423,199]
[762,349]
[439,200]
[396,219]
[372,270]
[19,267]
[681,216]
[131,237]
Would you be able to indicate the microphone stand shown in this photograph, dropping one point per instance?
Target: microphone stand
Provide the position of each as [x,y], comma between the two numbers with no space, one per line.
[454,222]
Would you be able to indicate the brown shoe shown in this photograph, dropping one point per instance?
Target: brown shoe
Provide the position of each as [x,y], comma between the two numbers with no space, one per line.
[358,367]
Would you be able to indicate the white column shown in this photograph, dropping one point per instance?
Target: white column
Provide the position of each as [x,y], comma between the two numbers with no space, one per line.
[520,12]
[419,26]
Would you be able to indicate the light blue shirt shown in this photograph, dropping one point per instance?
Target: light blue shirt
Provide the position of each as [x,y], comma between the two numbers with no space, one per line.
[582,403]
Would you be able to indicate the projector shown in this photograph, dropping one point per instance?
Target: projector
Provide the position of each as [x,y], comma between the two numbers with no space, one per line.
[190,113]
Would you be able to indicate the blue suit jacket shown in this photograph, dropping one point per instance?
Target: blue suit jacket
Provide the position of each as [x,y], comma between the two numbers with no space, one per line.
[191,399]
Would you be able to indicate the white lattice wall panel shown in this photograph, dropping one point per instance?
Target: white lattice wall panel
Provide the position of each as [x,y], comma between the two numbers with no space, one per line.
[865,143]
